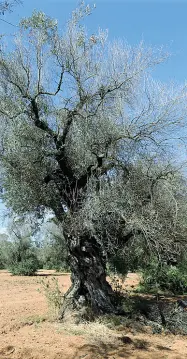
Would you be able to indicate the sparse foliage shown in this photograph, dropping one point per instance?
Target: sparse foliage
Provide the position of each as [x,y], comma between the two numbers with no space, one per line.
[7,6]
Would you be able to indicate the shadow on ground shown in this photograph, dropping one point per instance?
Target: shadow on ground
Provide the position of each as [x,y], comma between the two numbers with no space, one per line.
[128,348]
[162,313]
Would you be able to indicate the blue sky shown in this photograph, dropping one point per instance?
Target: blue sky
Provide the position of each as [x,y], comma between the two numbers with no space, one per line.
[159,22]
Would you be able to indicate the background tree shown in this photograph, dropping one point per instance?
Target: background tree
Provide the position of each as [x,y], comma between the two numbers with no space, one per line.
[22,257]
[78,116]
[20,253]
[4,250]
[51,248]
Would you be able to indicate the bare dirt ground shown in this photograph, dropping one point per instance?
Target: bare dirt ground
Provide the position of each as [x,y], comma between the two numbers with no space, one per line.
[26,332]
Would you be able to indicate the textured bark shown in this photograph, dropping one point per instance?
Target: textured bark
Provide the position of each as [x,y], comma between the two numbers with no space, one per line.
[90,289]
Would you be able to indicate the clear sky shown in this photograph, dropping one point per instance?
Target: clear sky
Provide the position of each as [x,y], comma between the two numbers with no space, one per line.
[156,22]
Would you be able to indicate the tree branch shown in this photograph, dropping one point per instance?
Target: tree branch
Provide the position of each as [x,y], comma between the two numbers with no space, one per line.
[58,87]
[39,123]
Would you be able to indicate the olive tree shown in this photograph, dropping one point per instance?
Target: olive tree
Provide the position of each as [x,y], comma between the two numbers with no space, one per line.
[78,112]
[147,210]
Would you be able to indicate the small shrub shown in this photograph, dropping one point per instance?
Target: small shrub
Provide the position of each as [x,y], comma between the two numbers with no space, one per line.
[26,267]
[164,277]
[52,293]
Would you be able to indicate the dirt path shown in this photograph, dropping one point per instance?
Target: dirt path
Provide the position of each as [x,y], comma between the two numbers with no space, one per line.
[26,332]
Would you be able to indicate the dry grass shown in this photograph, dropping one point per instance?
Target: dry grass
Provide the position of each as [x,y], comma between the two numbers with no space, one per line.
[96,333]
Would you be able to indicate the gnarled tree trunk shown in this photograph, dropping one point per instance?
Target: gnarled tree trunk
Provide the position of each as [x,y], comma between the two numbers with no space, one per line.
[90,292]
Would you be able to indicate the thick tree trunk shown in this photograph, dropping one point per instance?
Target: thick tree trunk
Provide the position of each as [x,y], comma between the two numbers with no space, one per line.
[90,293]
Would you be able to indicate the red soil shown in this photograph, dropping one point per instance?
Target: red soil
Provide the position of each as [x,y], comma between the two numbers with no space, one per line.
[27,333]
